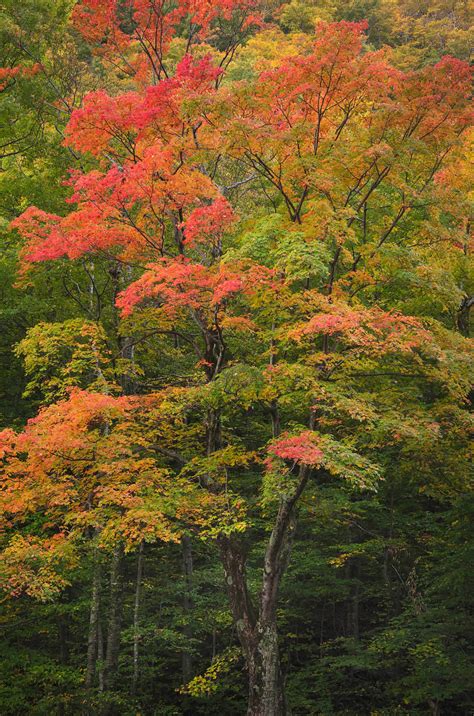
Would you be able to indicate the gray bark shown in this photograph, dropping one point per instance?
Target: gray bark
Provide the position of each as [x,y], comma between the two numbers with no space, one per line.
[136,620]
[100,655]
[257,629]
[115,619]
[187,661]
[92,640]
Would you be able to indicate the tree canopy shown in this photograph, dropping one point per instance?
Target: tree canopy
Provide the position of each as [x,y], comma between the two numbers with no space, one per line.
[236,357]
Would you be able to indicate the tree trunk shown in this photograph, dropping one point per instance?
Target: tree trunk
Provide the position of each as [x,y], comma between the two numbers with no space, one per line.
[100,655]
[266,687]
[63,634]
[136,620]
[258,633]
[463,317]
[115,619]
[356,604]
[434,707]
[93,626]
[187,661]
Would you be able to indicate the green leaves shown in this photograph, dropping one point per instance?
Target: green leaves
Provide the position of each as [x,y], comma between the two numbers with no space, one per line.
[59,356]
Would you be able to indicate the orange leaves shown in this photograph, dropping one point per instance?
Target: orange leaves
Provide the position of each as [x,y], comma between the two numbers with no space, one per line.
[368,330]
[434,102]
[90,462]
[36,567]
[7,442]
[63,434]
[94,17]
[81,463]
[333,79]
[8,74]
[339,123]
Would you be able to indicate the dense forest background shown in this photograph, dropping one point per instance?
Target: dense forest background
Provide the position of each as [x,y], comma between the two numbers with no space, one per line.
[104,612]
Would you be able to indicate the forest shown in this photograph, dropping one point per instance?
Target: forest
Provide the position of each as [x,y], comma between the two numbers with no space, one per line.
[236,373]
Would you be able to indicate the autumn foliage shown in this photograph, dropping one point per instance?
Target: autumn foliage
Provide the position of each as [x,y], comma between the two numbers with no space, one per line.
[264,218]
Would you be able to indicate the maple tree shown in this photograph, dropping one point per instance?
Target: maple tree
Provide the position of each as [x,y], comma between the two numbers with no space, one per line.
[265,235]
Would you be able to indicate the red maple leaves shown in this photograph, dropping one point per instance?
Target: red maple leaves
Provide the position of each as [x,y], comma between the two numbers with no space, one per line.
[180,284]
[301,449]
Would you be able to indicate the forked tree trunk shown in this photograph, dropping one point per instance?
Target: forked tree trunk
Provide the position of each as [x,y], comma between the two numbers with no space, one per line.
[257,629]
[258,637]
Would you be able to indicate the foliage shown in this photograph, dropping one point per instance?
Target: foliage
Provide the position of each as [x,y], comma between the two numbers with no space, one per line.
[236,358]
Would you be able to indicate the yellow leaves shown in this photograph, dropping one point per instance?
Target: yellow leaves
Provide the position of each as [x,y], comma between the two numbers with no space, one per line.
[208,683]
[269,47]
[216,465]
[58,356]
[36,567]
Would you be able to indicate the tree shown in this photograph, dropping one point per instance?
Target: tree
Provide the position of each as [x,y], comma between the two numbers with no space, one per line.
[262,232]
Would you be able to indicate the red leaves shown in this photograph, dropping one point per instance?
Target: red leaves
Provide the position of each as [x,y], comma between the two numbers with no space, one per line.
[107,215]
[35,224]
[226,288]
[101,119]
[366,329]
[94,17]
[9,73]
[50,236]
[196,75]
[144,29]
[208,224]
[179,284]
[302,449]
[176,283]
[122,120]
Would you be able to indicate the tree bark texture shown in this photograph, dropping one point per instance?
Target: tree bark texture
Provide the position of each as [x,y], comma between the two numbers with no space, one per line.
[187,661]
[257,628]
[136,620]
[115,619]
[92,641]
